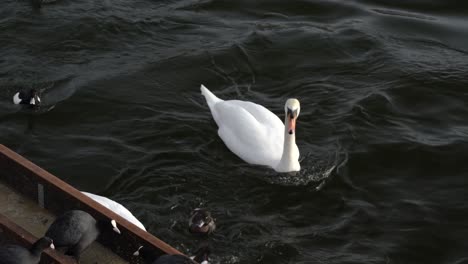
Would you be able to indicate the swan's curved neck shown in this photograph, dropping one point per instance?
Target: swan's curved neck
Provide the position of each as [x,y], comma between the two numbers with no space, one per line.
[288,160]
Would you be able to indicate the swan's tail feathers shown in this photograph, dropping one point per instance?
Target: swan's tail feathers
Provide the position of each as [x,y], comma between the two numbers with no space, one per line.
[211,99]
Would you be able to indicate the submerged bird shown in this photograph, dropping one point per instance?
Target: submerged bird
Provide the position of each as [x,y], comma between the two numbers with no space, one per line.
[30,97]
[255,134]
[116,208]
[150,257]
[75,230]
[201,222]
[14,254]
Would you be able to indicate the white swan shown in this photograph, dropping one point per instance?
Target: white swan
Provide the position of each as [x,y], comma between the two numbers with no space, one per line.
[255,134]
[116,208]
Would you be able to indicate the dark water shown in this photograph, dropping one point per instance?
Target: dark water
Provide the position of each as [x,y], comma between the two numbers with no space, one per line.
[383,87]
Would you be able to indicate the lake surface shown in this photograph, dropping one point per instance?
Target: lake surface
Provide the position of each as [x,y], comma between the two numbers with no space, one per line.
[382,132]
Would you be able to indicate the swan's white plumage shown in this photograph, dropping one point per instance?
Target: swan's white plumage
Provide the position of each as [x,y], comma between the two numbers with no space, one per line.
[116,208]
[250,131]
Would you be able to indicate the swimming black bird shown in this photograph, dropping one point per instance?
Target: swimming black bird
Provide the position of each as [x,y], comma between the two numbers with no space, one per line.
[14,254]
[150,257]
[30,97]
[201,222]
[75,230]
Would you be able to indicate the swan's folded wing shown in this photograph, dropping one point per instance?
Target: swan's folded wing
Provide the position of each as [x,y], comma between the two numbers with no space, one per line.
[263,115]
[245,136]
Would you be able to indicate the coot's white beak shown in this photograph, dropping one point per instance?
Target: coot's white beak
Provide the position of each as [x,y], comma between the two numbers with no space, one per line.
[16,99]
[115,228]
[137,253]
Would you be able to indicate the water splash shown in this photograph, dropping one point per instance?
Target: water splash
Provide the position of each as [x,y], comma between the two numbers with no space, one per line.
[316,170]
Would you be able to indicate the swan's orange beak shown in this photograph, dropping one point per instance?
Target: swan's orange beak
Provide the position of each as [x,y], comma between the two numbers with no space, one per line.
[292,125]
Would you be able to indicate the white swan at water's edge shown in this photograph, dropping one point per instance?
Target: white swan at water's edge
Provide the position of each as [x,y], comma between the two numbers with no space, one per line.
[116,208]
[255,134]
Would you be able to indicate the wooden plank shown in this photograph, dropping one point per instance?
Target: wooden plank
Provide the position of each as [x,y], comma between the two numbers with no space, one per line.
[14,234]
[58,197]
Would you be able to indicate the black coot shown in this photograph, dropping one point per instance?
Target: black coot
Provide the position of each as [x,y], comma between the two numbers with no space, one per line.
[75,230]
[14,254]
[30,97]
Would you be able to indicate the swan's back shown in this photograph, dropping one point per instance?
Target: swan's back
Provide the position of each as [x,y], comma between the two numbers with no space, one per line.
[249,130]
[116,208]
